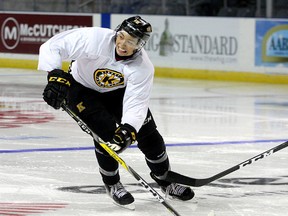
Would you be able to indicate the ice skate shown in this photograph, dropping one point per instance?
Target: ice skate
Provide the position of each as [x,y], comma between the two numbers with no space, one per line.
[174,190]
[120,195]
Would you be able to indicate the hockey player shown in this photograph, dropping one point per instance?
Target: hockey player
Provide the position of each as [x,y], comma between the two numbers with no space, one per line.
[108,86]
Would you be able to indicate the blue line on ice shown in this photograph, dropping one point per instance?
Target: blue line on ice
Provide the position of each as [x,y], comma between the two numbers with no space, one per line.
[168,145]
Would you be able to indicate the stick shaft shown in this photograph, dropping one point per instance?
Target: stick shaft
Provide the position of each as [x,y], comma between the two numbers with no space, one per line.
[176,177]
[113,154]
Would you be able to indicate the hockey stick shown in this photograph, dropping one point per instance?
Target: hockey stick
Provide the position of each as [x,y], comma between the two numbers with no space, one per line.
[181,179]
[113,154]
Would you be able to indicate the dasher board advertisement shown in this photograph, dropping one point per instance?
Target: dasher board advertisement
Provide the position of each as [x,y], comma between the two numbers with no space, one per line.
[271,41]
[24,33]
[193,42]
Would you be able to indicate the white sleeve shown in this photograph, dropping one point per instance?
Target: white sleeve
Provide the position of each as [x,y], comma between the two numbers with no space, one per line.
[136,99]
[66,45]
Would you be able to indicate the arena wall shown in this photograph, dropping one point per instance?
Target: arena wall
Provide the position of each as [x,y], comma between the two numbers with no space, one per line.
[212,48]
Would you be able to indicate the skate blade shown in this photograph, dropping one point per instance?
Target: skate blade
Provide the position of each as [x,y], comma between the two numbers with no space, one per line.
[128,206]
[168,197]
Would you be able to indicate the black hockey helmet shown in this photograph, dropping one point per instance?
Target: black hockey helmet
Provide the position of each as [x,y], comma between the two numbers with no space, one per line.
[137,27]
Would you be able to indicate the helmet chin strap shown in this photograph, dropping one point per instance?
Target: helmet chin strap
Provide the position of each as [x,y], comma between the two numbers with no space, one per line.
[141,44]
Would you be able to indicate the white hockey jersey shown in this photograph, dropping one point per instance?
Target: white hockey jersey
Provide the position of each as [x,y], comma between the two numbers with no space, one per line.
[95,66]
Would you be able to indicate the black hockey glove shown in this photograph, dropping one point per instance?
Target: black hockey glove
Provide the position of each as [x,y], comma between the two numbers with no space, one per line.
[124,136]
[55,92]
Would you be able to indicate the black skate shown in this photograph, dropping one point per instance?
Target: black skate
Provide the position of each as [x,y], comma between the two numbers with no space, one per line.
[174,190]
[120,195]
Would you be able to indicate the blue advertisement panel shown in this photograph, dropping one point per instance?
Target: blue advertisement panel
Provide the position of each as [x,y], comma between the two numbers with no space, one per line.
[271,40]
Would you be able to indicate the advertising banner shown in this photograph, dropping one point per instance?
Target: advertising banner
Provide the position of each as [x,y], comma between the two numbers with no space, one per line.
[271,41]
[24,33]
[192,42]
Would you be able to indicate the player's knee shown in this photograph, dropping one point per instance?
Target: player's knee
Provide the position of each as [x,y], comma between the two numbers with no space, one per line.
[154,149]
[152,145]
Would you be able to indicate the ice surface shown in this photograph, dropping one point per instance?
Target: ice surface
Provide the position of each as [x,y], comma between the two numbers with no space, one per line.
[48,167]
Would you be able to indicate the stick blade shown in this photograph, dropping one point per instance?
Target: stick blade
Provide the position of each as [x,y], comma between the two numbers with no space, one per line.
[185,180]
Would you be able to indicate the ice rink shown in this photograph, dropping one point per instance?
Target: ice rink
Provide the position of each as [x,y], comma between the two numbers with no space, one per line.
[48,166]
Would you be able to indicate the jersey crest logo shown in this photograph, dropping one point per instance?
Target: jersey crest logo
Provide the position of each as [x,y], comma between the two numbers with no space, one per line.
[106,78]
